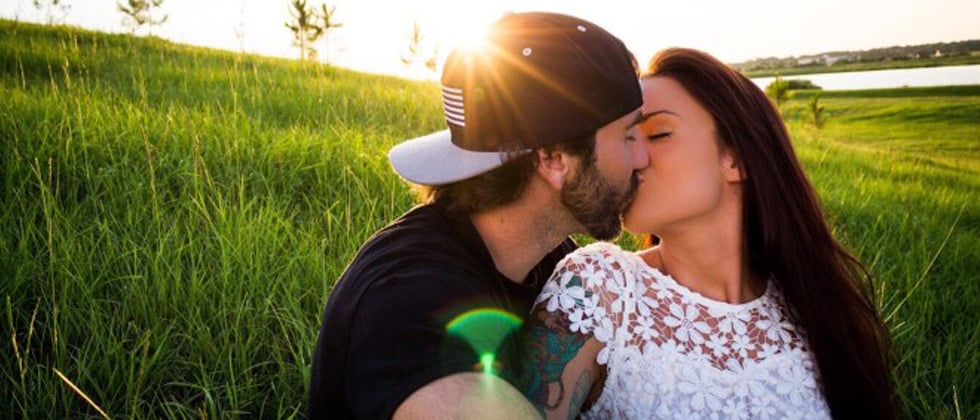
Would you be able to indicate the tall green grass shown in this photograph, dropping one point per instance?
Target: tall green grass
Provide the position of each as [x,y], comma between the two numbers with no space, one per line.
[899,179]
[173,219]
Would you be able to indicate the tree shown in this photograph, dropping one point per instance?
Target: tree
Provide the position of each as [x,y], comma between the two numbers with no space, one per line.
[801,84]
[140,12]
[308,25]
[51,8]
[327,21]
[240,26]
[417,51]
[816,110]
[778,91]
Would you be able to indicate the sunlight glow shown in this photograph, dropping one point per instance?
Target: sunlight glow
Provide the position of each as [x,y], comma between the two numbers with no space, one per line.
[472,38]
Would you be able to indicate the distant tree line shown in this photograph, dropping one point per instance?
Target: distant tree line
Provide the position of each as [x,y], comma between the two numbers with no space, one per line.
[895,53]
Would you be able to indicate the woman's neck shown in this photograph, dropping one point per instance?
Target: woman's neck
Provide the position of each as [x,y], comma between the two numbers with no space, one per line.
[708,256]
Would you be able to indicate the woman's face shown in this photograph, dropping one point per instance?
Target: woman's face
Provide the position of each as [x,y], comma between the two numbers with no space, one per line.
[689,177]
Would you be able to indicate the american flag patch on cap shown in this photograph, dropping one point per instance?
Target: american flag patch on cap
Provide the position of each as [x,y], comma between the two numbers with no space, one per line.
[452,104]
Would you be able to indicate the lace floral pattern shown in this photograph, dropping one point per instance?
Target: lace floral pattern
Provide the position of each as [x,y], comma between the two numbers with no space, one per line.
[673,353]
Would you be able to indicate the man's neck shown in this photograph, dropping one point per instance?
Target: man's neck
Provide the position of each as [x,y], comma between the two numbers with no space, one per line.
[518,236]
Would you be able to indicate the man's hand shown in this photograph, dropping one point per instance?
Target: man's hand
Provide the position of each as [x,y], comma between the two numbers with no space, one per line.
[466,396]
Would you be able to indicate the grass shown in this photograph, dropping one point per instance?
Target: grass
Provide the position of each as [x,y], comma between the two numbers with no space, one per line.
[899,177]
[173,220]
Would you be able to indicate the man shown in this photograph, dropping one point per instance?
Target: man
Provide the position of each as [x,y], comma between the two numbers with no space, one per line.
[540,145]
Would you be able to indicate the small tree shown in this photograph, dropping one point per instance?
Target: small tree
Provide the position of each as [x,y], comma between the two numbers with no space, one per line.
[778,91]
[417,51]
[239,27]
[816,110]
[308,25]
[52,8]
[327,21]
[139,13]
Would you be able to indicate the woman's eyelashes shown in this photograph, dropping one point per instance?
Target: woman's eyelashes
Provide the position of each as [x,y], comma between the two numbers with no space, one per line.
[659,136]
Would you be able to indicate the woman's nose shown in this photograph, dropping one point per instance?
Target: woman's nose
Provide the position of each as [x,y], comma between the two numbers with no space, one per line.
[638,151]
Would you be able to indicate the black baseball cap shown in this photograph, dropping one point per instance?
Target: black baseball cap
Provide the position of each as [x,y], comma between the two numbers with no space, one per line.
[539,79]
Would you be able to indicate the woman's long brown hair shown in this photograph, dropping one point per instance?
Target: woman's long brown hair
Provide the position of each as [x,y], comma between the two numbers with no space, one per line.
[828,291]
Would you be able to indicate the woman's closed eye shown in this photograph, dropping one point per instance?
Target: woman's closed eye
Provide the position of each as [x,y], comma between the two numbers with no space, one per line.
[658,136]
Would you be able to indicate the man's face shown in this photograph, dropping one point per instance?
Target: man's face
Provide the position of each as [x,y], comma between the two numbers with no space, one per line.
[603,188]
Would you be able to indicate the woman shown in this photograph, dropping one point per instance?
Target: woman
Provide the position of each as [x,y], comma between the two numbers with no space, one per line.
[746,308]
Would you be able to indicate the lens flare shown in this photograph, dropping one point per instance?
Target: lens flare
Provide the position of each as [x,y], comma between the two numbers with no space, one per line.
[486,360]
[483,330]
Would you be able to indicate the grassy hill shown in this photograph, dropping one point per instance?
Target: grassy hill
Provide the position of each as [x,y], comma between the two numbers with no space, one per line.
[173,219]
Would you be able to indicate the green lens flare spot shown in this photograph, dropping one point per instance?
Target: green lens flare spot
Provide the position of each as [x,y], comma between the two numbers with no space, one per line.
[483,330]
[486,360]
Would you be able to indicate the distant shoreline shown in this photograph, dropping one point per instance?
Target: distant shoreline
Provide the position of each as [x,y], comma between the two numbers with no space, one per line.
[855,67]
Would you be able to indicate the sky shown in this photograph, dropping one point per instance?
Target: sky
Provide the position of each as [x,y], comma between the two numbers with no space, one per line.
[375,33]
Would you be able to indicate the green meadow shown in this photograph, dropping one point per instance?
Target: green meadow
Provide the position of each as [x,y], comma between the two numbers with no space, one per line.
[172,220]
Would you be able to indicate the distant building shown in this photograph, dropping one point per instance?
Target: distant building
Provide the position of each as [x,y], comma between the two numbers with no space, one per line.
[826,59]
[808,60]
[831,59]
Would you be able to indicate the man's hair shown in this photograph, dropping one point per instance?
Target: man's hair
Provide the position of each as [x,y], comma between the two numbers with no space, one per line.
[502,185]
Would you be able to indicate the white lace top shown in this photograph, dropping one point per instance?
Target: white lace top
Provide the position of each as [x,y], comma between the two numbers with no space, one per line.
[673,353]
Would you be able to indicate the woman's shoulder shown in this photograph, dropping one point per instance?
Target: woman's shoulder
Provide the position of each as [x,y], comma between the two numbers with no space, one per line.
[593,257]
[594,263]
[599,250]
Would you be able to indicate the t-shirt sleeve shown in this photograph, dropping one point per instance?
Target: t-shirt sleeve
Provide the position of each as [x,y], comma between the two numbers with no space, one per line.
[590,287]
[400,340]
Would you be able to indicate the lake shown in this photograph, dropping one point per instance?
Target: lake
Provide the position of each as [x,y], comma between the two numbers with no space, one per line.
[877,79]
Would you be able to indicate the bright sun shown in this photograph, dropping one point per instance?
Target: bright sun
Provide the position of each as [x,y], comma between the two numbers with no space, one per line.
[466,29]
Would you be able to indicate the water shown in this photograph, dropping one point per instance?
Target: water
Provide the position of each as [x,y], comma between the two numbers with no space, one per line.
[876,79]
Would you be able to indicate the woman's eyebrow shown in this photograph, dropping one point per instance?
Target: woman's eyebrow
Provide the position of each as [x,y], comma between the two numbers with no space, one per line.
[647,116]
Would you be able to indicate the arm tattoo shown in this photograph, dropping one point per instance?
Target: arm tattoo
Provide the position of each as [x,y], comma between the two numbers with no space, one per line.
[551,346]
[582,388]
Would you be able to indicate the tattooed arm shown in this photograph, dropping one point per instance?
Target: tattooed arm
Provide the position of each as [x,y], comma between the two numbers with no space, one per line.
[564,376]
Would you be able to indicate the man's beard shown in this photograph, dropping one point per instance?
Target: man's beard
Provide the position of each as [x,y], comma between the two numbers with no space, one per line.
[597,204]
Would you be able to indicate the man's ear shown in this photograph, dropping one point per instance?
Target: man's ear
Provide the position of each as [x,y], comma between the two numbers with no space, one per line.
[730,167]
[553,166]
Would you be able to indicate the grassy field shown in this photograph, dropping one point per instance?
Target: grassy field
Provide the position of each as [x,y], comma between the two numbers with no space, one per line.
[173,219]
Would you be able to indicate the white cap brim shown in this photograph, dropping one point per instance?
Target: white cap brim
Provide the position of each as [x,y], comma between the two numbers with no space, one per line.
[433,159]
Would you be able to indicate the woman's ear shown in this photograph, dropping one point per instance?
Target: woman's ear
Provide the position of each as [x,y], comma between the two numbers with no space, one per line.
[553,166]
[730,167]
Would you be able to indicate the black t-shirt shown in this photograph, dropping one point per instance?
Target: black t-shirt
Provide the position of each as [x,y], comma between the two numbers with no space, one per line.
[421,300]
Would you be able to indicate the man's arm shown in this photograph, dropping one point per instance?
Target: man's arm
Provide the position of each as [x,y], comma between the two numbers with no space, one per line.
[565,376]
[468,395]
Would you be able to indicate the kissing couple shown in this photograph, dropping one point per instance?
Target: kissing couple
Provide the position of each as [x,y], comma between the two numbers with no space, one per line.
[478,304]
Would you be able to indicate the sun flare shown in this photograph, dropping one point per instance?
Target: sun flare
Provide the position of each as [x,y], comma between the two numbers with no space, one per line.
[465,30]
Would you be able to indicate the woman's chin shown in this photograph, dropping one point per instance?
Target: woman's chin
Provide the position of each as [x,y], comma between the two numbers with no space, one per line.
[630,225]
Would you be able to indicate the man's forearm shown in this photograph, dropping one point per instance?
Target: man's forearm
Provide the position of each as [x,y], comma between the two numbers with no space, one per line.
[467,395]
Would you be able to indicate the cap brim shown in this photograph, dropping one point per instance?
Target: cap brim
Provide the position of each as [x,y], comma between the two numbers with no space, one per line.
[433,159]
